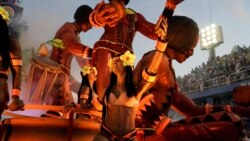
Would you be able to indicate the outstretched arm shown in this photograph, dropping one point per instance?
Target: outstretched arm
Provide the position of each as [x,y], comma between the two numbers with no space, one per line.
[186,106]
[72,42]
[241,111]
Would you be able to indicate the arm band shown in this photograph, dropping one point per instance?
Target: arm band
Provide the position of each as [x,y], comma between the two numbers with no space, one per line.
[84,96]
[16,92]
[16,62]
[168,10]
[161,46]
[147,77]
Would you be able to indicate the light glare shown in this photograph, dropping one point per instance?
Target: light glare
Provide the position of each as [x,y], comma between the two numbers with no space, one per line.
[211,36]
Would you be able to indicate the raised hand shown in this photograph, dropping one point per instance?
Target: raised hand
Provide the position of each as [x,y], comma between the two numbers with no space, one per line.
[174,2]
[119,13]
[109,14]
[104,13]
[17,104]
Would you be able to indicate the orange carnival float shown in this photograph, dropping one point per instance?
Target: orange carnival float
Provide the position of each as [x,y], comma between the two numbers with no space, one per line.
[156,83]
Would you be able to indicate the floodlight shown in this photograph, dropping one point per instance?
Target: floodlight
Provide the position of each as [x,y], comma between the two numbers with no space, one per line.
[211,36]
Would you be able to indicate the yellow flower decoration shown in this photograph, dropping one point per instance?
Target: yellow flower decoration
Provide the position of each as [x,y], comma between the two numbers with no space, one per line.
[4,14]
[56,43]
[87,70]
[128,59]
[95,70]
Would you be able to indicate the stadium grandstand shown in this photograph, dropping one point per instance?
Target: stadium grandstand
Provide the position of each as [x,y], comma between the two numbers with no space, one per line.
[213,81]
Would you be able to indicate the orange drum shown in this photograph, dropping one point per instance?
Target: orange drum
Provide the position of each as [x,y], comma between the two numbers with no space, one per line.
[241,95]
[49,129]
[46,83]
[2,130]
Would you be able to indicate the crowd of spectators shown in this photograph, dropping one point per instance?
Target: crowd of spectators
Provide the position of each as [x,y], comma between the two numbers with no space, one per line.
[220,70]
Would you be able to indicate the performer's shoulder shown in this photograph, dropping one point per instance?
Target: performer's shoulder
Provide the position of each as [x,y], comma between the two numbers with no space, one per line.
[66,27]
[130,11]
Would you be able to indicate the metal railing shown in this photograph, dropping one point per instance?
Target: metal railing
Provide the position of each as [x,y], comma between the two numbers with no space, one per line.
[215,82]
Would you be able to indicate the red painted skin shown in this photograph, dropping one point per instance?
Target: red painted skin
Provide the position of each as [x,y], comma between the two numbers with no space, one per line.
[162,89]
[10,63]
[211,130]
[198,126]
[116,40]
[69,34]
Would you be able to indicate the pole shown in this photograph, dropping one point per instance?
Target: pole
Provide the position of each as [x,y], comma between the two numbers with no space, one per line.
[211,52]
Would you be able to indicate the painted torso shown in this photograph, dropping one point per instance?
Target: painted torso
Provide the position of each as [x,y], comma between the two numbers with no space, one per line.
[121,113]
[64,56]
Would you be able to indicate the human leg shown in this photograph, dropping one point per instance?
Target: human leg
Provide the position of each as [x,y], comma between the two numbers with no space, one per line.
[4,95]
[101,62]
